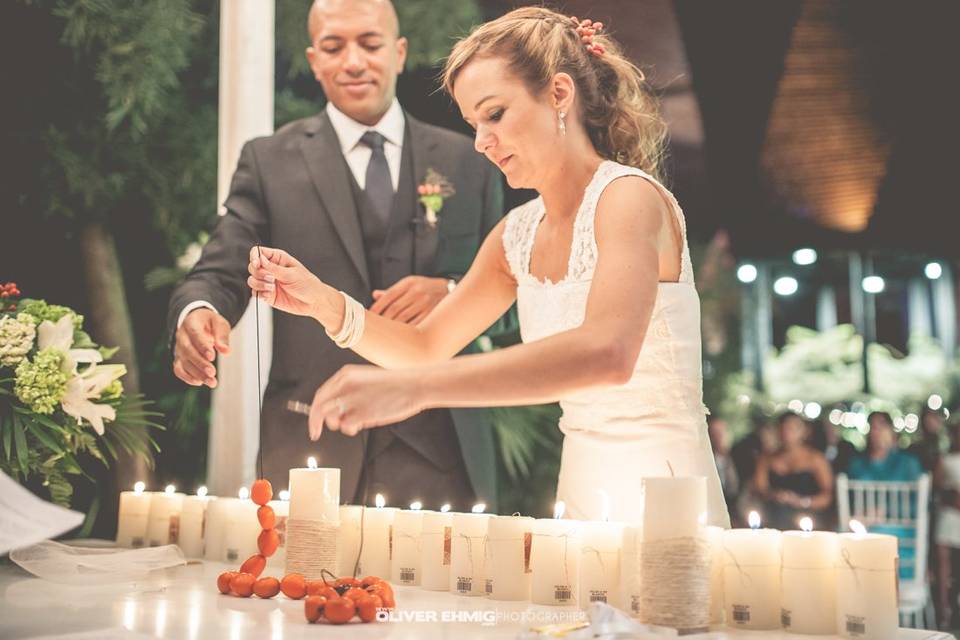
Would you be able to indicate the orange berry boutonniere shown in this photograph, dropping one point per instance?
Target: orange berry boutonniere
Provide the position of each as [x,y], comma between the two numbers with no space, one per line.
[432,192]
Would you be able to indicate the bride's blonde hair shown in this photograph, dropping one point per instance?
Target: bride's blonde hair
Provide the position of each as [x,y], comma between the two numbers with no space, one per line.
[617,109]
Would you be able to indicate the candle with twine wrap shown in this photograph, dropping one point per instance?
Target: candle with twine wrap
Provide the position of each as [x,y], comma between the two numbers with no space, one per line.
[468,553]
[674,554]
[509,541]
[314,521]
[436,539]
[867,585]
[555,560]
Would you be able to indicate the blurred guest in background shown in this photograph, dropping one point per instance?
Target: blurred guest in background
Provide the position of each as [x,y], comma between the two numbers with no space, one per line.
[838,450]
[720,443]
[930,445]
[747,450]
[883,460]
[947,531]
[795,481]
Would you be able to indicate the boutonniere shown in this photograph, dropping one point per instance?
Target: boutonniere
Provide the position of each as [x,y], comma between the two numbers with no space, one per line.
[433,191]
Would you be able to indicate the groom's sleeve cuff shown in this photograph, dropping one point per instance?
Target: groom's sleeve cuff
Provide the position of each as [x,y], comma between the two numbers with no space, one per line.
[196,304]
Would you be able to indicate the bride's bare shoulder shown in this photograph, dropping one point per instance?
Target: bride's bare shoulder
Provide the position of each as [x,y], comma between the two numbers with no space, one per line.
[629,201]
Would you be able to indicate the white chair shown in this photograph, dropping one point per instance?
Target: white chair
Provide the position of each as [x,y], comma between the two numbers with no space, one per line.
[902,504]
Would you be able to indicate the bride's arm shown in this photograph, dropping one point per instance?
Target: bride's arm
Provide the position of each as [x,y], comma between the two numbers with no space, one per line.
[602,351]
[483,295]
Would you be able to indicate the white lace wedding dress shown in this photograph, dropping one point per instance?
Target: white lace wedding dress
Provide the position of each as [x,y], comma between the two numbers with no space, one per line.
[654,425]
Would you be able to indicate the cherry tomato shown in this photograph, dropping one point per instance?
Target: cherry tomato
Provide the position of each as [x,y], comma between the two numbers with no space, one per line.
[266,587]
[254,565]
[339,610]
[223,581]
[268,541]
[367,607]
[266,516]
[242,584]
[313,607]
[294,586]
[261,491]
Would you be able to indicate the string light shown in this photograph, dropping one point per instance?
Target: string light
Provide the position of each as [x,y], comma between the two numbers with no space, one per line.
[933,270]
[747,273]
[785,286]
[804,256]
[873,284]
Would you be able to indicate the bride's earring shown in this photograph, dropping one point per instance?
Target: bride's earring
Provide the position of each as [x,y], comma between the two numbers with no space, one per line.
[563,125]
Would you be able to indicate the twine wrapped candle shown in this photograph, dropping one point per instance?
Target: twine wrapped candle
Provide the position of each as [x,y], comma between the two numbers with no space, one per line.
[314,520]
[867,585]
[508,557]
[751,577]
[468,553]
[163,527]
[192,518]
[555,560]
[436,540]
[405,559]
[808,580]
[133,515]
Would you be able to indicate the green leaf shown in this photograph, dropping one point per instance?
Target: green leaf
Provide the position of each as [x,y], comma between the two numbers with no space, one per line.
[20,439]
[6,428]
[43,436]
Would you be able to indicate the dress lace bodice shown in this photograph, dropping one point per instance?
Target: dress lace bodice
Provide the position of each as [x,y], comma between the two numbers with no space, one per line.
[667,376]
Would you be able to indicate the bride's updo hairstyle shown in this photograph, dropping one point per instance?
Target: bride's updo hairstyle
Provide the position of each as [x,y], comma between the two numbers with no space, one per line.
[615,106]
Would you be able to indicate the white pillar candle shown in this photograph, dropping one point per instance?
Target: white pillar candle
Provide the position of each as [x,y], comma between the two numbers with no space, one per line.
[436,539]
[630,578]
[348,540]
[217,520]
[600,545]
[673,507]
[405,558]
[715,540]
[377,539]
[468,554]
[808,581]
[751,578]
[242,529]
[555,560]
[133,515]
[163,527]
[314,520]
[276,564]
[867,585]
[192,517]
[508,557]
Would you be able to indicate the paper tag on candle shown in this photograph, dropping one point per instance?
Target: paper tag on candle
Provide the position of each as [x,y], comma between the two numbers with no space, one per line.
[598,595]
[527,544]
[855,626]
[173,532]
[447,543]
[741,613]
[562,593]
[489,587]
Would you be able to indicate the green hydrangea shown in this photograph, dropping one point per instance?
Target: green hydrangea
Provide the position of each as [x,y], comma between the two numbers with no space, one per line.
[16,338]
[41,383]
[41,311]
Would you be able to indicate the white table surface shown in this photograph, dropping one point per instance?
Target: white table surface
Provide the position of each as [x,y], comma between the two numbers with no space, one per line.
[184,603]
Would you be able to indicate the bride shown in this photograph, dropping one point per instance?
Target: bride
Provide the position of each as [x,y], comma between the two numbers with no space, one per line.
[598,266]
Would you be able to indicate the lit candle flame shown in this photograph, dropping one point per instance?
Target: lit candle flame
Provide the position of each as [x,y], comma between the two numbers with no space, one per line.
[806,524]
[416,506]
[284,495]
[605,500]
[445,508]
[558,509]
[754,520]
[479,508]
[139,487]
[202,492]
[380,502]
[170,490]
[857,527]
[311,463]
[244,493]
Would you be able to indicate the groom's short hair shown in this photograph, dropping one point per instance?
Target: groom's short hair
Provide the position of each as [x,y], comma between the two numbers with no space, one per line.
[314,17]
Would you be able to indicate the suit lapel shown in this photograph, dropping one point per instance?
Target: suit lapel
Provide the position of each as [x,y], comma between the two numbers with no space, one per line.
[328,170]
[423,144]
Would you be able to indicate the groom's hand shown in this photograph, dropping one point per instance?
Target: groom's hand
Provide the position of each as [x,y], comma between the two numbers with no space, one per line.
[203,334]
[411,299]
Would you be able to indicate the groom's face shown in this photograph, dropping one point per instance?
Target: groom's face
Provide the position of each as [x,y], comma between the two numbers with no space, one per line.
[356,55]
[516,131]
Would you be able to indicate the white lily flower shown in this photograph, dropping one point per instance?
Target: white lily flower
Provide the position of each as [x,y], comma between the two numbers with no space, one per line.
[83,387]
[59,336]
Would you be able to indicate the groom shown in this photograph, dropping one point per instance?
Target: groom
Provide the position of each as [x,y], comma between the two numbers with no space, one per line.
[339,192]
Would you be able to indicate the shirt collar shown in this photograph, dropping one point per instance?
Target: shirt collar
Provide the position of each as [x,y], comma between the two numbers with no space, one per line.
[349,131]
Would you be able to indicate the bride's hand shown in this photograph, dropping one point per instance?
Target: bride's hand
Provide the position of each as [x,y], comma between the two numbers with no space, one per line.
[362,397]
[283,282]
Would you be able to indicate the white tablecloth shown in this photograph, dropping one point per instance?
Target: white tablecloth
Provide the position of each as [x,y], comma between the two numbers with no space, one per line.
[184,603]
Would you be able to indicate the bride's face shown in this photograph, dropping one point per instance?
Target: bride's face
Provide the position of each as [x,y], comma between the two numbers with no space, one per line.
[515,130]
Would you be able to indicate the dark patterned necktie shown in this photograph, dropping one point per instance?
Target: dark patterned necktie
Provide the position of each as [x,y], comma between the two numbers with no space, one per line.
[379,186]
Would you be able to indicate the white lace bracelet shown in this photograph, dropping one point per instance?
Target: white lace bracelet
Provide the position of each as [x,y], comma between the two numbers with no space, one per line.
[354,316]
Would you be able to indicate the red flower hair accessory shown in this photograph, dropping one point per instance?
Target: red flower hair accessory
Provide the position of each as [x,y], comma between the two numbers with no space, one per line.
[586,29]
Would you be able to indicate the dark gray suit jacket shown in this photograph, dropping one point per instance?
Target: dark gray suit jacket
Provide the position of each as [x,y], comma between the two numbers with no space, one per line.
[292,190]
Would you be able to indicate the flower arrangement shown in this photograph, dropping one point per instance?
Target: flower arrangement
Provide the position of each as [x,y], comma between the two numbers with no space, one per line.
[60,405]
[432,192]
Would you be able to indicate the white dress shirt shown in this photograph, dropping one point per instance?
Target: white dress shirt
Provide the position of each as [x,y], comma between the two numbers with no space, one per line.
[357,155]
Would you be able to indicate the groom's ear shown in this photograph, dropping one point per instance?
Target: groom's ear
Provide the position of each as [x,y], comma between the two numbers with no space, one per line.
[562,91]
